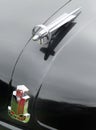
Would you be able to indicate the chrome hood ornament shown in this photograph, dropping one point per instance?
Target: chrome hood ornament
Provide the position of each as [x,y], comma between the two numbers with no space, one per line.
[44,33]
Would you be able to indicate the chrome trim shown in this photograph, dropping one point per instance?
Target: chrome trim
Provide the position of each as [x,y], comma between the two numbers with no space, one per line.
[11,127]
[40,32]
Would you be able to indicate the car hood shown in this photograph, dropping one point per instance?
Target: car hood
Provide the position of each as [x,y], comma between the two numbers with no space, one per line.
[17,18]
[71,77]
[16,22]
[65,74]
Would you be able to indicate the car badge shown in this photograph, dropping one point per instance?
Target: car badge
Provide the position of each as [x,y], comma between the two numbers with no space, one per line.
[44,32]
[19,104]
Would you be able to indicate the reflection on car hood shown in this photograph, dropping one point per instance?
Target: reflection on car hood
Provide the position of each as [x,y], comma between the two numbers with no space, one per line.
[17,18]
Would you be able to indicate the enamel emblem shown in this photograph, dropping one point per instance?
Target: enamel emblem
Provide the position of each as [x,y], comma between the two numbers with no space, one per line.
[19,104]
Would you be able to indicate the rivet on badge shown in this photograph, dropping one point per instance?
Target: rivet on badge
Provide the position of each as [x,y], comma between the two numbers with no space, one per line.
[19,104]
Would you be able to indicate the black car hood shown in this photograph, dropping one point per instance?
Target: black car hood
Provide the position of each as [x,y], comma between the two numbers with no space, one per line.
[16,22]
[17,18]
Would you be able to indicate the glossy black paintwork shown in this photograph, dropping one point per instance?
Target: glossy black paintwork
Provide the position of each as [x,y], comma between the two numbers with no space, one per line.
[62,115]
[62,88]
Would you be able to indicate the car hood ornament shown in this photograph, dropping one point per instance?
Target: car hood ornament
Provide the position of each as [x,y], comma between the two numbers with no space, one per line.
[19,104]
[44,33]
